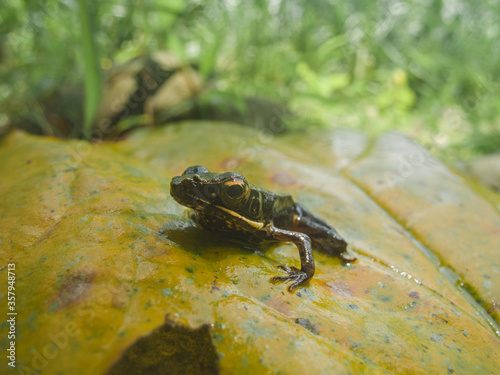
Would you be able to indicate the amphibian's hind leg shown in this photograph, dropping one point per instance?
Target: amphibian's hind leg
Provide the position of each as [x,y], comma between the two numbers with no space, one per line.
[303,243]
[324,237]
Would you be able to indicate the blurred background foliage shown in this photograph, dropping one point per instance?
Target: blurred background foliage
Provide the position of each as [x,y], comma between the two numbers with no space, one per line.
[429,68]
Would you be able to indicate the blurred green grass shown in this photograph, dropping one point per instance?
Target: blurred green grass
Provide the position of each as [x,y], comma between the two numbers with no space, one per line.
[429,68]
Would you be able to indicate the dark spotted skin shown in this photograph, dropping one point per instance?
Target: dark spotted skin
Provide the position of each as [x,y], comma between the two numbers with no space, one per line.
[227,203]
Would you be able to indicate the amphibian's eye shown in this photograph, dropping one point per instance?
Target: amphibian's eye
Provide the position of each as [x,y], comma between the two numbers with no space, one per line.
[235,192]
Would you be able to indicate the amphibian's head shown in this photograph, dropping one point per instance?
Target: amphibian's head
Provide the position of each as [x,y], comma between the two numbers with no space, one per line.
[198,188]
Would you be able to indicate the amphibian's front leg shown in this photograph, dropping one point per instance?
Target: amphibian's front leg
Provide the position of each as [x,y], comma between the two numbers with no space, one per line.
[324,237]
[303,243]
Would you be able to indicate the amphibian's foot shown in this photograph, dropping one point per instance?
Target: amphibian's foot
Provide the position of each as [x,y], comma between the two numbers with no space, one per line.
[295,274]
[346,257]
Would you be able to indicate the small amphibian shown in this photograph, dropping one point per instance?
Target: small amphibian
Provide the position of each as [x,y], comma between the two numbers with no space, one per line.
[227,203]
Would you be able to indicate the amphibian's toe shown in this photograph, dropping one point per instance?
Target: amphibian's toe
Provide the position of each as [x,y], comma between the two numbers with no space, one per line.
[291,270]
[346,257]
[299,277]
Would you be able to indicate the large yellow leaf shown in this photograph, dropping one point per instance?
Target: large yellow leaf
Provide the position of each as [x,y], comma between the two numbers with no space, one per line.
[112,275]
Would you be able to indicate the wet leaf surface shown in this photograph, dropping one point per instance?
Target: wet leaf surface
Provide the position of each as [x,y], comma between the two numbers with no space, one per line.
[104,255]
